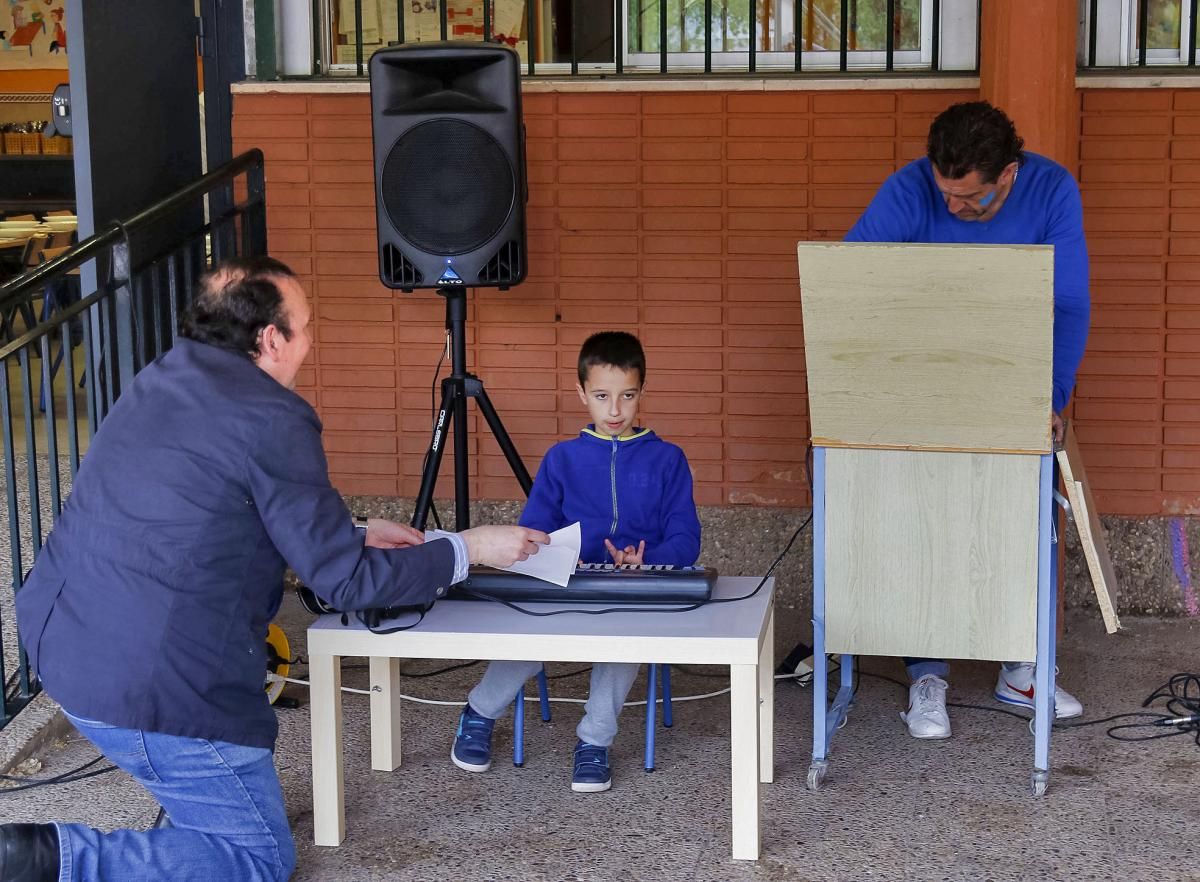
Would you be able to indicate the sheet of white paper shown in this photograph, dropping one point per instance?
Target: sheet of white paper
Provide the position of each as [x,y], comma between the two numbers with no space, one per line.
[553,563]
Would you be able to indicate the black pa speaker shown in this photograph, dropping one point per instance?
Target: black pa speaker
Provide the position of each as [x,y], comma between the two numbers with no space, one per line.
[450,186]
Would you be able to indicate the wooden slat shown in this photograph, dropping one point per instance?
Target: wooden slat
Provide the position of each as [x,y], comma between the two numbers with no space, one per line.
[1091,531]
[928,346]
[931,554]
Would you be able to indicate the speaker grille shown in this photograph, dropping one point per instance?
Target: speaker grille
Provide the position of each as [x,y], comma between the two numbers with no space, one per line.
[505,266]
[398,270]
[447,186]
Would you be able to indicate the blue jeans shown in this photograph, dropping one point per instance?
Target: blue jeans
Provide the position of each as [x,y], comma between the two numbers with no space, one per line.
[223,800]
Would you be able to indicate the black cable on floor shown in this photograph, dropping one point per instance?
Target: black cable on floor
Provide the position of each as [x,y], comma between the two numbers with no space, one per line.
[65,778]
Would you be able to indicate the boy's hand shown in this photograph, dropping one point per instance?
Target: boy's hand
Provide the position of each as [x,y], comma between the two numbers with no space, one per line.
[628,555]
[389,534]
[497,546]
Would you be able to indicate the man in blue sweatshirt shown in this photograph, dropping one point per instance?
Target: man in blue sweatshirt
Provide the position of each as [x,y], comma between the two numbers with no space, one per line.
[632,495]
[976,185]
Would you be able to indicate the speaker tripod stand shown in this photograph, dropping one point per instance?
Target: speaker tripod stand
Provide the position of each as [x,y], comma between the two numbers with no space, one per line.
[456,389]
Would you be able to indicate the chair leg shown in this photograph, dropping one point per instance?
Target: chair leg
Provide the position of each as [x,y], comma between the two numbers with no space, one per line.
[519,729]
[666,696]
[544,694]
[651,713]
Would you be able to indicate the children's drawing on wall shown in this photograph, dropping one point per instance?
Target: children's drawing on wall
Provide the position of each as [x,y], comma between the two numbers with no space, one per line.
[423,23]
[33,34]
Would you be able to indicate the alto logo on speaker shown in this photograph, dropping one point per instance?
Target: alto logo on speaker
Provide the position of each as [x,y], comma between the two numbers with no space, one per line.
[450,277]
[450,185]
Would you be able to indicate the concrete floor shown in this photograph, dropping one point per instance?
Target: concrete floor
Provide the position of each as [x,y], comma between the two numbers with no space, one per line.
[892,808]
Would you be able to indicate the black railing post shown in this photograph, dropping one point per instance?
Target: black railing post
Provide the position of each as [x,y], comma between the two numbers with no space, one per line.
[662,36]
[935,62]
[122,316]
[752,61]
[574,38]
[619,35]
[844,28]
[358,36]
[708,36]
[889,39]
[531,35]
[256,197]
[1143,28]
[1093,28]
[1193,8]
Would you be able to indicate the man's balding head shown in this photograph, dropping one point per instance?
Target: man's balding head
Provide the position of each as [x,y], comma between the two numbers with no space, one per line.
[235,300]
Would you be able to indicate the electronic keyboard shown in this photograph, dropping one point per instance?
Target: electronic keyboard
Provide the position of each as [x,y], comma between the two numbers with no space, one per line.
[599,583]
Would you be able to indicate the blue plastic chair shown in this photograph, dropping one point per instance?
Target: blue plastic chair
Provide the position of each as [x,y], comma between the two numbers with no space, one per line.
[519,716]
[654,674]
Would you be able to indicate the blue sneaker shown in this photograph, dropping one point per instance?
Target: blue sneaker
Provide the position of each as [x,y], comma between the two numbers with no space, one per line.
[592,772]
[473,742]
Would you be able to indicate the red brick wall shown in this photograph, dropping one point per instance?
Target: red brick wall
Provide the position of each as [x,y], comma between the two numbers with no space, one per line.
[1137,402]
[675,215]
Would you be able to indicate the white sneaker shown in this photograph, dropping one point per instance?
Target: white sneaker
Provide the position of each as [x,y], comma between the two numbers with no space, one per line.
[926,716]
[1015,686]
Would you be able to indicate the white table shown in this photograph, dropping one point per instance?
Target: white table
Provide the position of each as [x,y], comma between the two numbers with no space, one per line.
[739,634]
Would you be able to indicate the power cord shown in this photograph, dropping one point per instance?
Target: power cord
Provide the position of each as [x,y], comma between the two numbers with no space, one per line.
[65,778]
[532,699]
[1181,691]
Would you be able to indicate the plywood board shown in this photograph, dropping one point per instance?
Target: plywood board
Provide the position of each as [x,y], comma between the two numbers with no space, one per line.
[1091,531]
[931,554]
[944,347]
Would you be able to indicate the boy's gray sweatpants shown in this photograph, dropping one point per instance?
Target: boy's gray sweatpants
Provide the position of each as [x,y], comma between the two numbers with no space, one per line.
[611,682]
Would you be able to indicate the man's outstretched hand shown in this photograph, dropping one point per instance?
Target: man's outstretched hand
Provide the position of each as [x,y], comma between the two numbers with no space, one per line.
[1058,428]
[389,534]
[498,546]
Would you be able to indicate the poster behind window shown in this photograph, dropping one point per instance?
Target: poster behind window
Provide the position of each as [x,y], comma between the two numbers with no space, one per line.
[422,23]
[33,34]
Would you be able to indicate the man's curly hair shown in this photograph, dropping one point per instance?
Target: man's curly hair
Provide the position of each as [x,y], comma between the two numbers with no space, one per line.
[973,136]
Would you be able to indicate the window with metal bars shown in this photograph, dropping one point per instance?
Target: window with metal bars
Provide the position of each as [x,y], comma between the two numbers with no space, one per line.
[668,36]
[1138,33]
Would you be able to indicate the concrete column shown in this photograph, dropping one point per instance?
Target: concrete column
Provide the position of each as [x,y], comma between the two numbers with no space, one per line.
[1027,68]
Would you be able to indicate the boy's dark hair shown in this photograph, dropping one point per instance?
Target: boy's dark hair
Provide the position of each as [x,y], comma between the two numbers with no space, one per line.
[616,348]
[235,301]
[973,136]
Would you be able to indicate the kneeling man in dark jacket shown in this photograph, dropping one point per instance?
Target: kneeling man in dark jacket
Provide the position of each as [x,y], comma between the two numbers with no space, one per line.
[146,614]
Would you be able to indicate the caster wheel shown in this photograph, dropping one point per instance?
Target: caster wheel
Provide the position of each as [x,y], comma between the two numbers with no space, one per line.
[816,775]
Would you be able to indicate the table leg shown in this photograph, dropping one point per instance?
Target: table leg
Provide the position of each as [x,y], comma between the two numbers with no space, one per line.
[385,713]
[325,710]
[766,701]
[743,730]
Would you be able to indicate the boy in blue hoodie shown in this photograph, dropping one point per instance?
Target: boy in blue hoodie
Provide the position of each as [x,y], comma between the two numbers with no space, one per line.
[632,495]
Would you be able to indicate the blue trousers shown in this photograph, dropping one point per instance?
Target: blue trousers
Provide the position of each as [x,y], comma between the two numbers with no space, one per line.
[224,802]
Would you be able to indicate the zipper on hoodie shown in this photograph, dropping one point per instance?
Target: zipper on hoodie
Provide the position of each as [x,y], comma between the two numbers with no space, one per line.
[612,473]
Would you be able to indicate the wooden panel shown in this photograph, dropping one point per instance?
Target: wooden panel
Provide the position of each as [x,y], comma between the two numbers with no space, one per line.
[1091,531]
[931,554]
[944,347]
